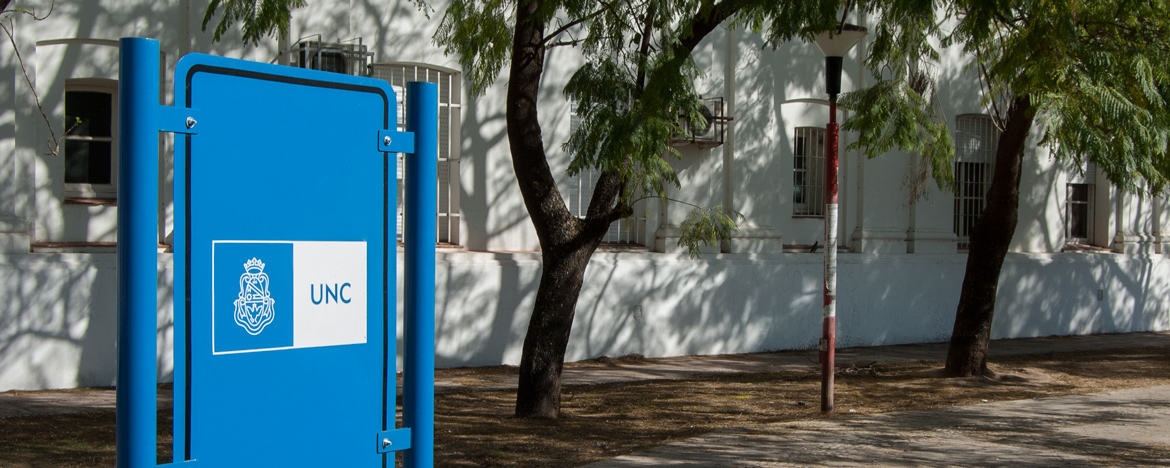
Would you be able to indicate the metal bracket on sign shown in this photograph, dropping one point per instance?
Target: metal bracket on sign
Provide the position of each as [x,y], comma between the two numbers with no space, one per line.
[393,141]
[394,440]
[178,119]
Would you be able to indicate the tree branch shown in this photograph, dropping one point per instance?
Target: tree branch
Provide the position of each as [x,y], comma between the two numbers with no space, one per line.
[54,144]
[844,13]
[644,47]
[692,205]
[576,22]
[572,43]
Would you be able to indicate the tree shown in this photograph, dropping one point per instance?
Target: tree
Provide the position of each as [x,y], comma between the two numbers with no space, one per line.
[637,79]
[1090,77]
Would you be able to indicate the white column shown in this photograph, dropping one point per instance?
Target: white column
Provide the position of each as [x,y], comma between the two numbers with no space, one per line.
[15,186]
[1135,226]
[729,138]
[932,222]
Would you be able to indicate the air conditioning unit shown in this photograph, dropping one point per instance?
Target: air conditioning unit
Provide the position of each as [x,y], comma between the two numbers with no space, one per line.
[704,134]
[337,57]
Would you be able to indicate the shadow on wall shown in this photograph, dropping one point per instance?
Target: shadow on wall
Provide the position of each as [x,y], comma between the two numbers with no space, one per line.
[58,322]
[736,304]
[492,207]
[765,78]
[1081,293]
[489,203]
[672,306]
[666,305]
[482,308]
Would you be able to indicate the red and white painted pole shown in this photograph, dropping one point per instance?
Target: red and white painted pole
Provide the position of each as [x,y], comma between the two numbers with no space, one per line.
[829,327]
[834,44]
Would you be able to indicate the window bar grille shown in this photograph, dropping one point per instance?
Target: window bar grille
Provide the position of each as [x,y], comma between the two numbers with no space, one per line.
[808,172]
[975,141]
[449,112]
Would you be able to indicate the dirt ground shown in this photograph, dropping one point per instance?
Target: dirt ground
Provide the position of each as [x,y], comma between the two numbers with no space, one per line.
[473,428]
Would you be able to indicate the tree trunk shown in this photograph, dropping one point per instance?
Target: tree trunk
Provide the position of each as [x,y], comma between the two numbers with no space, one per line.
[566,242]
[990,237]
[539,392]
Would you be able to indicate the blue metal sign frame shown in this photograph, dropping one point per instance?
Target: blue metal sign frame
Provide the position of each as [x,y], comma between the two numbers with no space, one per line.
[284,265]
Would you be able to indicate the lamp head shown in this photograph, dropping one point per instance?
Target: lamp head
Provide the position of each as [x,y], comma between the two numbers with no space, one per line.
[835,44]
[838,41]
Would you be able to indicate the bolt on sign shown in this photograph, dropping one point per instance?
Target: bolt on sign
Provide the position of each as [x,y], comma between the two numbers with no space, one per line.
[285,268]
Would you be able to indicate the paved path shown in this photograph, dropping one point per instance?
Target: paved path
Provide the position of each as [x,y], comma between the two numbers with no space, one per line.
[1123,428]
[14,404]
[684,367]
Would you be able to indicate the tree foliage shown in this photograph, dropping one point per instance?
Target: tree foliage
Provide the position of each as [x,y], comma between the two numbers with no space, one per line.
[707,226]
[636,79]
[1096,72]
[638,74]
[257,18]
[900,110]
[1092,75]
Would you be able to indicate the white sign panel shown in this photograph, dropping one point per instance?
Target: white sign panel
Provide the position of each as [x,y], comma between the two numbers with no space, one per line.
[271,295]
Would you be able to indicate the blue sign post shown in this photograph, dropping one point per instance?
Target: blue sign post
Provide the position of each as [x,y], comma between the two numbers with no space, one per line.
[419,374]
[137,252]
[285,320]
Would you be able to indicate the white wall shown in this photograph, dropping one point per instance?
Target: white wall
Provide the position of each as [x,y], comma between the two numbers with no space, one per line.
[669,305]
[58,312]
[58,320]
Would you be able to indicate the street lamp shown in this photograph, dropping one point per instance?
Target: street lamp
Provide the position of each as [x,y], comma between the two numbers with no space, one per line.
[834,44]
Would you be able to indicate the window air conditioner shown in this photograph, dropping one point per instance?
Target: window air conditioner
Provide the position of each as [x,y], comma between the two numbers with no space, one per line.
[706,134]
[336,57]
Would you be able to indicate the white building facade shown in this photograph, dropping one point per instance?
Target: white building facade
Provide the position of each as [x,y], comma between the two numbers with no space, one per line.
[1085,258]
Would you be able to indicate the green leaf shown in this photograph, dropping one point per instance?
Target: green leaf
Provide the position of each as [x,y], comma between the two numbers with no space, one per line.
[257,18]
[707,227]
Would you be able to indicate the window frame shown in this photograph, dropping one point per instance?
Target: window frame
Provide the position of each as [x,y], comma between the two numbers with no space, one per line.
[974,169]
[1069,205]
[812,190]
[84,190]
[1084,176]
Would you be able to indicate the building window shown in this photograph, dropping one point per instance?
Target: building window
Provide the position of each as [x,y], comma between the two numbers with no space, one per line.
[89,150]
[580,191]
[975,141]
[1078,214]
[1078,206]
[349,58]
[808,172]
[450,86]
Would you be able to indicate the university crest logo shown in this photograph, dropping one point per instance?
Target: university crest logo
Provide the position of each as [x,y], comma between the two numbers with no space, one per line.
[254,309]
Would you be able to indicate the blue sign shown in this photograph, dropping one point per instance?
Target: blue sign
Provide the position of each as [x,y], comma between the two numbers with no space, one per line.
[285,266]
[284,332]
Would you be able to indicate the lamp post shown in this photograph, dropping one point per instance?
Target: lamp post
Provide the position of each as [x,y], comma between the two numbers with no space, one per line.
[834,44]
